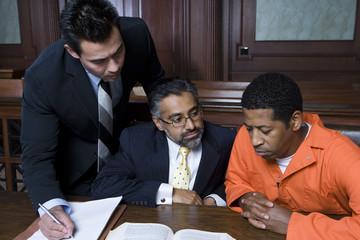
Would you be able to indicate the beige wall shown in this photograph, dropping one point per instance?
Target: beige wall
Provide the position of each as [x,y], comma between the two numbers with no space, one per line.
[305,19]
[9,22]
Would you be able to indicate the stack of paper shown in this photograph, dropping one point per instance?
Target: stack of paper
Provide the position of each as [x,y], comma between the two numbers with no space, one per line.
[89,218]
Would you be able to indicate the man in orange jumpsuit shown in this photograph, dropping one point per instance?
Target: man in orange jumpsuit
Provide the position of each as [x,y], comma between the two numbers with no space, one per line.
[285,162]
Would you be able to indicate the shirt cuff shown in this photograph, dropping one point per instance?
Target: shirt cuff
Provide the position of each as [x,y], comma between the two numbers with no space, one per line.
[164,194]
[218,200]
[55,202]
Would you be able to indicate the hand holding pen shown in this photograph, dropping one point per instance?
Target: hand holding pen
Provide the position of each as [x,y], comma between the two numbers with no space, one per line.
[62,229]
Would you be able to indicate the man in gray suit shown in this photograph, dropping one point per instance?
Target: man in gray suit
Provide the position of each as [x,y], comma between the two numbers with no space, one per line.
[143,171]
[60,125]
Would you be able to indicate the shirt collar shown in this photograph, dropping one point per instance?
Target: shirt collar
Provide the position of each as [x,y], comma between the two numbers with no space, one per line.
[174,148]
[94,79]
[314,137]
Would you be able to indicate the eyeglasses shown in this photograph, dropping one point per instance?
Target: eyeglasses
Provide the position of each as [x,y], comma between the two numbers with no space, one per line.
[181,121]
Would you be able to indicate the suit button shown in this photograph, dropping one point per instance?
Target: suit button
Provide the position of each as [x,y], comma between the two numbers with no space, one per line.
[162,200]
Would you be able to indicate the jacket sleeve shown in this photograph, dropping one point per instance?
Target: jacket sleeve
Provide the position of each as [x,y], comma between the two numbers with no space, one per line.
[226,142]
[320,226]
[118,178]
[344,161]
[236,179]
[141,63]
[39,139]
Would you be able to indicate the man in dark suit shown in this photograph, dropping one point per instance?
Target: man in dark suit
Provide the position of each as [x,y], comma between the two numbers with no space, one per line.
[144,169]
[60,125]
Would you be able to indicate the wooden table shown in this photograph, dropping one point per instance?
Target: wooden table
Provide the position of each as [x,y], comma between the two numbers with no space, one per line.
[17,213]
[214,219]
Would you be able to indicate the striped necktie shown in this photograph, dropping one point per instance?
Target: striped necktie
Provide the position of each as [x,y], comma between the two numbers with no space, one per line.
[181,177]
[105,123]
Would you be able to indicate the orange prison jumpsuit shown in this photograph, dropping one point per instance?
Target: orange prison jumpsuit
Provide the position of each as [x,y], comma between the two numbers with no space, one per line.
[323,177]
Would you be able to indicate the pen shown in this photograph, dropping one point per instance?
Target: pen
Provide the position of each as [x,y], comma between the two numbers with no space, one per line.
[51,215]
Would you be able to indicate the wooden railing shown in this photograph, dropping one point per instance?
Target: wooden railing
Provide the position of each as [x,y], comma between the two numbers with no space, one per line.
[335,102]
[10,149]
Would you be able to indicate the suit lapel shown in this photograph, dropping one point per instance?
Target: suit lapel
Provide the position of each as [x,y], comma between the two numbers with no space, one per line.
[160,158]
[81,87]
[208,163]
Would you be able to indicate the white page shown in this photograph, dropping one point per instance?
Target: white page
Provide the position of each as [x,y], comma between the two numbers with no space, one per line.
[193,234]
[141,231]
[89,218]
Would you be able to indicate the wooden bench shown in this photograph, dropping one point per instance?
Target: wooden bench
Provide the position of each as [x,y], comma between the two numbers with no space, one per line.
[337,104]
[10,149]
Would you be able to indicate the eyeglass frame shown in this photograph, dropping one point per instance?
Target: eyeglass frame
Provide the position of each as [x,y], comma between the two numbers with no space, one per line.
[200,110]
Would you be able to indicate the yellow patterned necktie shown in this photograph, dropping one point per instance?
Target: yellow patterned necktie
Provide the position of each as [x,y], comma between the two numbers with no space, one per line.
[181,177]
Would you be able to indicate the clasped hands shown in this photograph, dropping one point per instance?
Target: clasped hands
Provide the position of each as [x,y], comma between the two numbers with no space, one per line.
[264,214]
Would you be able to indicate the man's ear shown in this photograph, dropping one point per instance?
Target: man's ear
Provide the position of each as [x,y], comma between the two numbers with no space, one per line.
[157,123]
[296,120]
[71,51]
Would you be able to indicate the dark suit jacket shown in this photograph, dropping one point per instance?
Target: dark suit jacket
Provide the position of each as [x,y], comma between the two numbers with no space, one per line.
[143,164]
[59,114]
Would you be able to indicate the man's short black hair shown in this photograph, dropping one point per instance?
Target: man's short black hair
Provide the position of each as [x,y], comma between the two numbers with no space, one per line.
[90,20]
[275,91]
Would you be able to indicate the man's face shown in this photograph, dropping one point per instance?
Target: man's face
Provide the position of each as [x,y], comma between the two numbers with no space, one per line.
[172,108]
[104,60]
[270,138]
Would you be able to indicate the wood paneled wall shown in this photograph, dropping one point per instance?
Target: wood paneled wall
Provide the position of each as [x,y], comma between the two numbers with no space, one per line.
[187,34]
[303,60]
[39,27]
[201,40]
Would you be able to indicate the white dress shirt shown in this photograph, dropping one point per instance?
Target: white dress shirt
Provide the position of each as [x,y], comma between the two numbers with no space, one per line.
[165,191]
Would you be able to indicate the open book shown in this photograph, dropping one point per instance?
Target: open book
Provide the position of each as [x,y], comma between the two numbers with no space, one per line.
[156,231]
